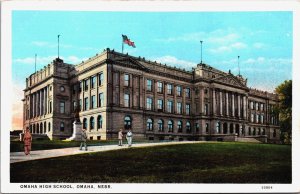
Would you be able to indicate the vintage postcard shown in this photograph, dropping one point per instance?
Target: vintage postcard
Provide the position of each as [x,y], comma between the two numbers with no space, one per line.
[149,97]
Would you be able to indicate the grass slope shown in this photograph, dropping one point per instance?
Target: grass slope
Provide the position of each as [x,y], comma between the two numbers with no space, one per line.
[187,163]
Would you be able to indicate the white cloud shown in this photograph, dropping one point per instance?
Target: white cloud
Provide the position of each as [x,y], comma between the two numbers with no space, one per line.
[259,45]
[228,48]
[173,61]
[48,59]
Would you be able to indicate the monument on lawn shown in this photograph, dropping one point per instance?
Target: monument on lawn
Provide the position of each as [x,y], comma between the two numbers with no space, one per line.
[77,126]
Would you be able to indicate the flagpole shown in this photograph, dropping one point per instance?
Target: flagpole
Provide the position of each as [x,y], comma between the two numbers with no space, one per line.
[122,45]
[35,64]
[201,50]
[58,46]
[239,65]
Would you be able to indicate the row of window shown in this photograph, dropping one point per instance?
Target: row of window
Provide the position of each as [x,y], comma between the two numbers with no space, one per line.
[89,103]
[92,123]
[170,106]
[256,106]
[40,128]
[257,118]
[89,82]
[170,125]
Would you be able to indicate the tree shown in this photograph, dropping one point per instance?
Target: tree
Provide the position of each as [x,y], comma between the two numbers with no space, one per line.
[284,109]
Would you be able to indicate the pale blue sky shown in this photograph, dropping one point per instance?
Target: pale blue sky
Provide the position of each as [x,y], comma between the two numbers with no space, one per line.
[262,39]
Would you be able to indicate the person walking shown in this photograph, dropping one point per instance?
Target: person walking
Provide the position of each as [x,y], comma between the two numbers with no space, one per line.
[27,141]
[120,137]
[129,138]
[83,140]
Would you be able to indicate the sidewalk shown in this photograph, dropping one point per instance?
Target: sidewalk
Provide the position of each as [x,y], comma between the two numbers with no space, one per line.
[42,154]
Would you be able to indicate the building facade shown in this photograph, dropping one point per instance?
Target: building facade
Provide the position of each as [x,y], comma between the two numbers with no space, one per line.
[113,90]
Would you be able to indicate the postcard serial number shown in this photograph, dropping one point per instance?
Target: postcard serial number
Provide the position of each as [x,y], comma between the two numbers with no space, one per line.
[266,187]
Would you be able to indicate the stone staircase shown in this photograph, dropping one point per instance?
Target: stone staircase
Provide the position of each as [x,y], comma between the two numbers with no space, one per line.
[247,139]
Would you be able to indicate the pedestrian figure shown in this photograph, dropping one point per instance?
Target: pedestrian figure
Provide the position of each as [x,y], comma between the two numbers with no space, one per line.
[27,141]
[129,138]
[83,140]
[120,137]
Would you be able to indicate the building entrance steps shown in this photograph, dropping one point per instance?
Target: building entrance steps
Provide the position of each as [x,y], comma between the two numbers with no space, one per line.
[43,154]
[247,139]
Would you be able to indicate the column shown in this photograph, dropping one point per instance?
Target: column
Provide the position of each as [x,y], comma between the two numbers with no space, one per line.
[201,100]
[221,104]
[232,106]
[227,104]
[214,101]
[45,103]
[154,95]
[239,106]
[34,104]
[245,107]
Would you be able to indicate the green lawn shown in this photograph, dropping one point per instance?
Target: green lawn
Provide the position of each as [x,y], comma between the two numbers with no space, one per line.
[186,163]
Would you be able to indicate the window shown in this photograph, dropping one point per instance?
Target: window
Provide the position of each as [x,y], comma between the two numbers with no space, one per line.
[86,85]
[62,88]
[218,127]
[197,126]
[101,79]
[50,107]
[45,127]
[149,125]
[179,91]
[274,133]
[179,126]
[126,79]
[93,102]
[179,107]
[99,122]
[256,105]
[170,89]
[62,107]
[170,106]
[62,126]
[84,123]
[263,131]
[252,105]
[149,85]
[188,92]
[80,86]
[262,119]
[257,118]
[160,124]
[74,88]
[149,104]
[252,118]
[170,126]
[126,100]
[127,122]
[86,103]
[101,99]
[188,109]
[92,123]
[206,109]
[49,127]
[74,105]
[80,104]
[188,127]
[206,127]
[249,131]
[93,82]
[262,107]
[160,103]
[159,87]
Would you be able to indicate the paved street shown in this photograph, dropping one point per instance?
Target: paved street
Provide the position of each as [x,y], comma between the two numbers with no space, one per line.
[41,154]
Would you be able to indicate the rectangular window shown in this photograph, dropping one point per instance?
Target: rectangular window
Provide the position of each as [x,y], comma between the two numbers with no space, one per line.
[257,106]
[50,107]
[126,100]
[93,82]
[86,103]
[126,80]
[197,126]
[179,108]
[86,85]
[74,88]
[62,107]
[74,105]
[170,89]
[262,119]
[170,106]
[187,109]
[206,127]
[206,109]
[80,104]
[252,105]
[179,90]
[159,87]
[262,107]
[149,85]
[187,92]
[252,118]
[101,99]
[257,118]
[93,102]
[160,104]
[80,86]
[149,104]
[101,79]
[62,126]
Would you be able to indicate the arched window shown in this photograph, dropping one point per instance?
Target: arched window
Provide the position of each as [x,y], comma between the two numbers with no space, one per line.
[127,122]
[99,122]
[41,128]
[274,133]
[179,126]
[188,127]
[170,126]
[92,123]
[254,131]
[149,125]
[49,127]
[84,123]
[263,131]
[62,126]
[37,128]
[45,127]
[218,127]
[225,128]
[258,131]
[160,123]
[249,131]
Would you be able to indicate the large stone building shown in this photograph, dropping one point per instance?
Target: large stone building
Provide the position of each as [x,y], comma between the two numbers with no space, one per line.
[113,90]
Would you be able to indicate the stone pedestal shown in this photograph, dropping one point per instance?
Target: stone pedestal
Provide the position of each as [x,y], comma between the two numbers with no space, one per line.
[76,136]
